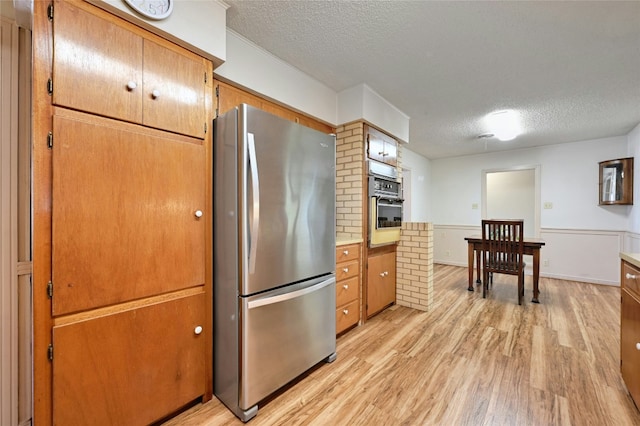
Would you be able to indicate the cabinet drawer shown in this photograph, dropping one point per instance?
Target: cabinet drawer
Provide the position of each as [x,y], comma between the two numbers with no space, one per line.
[347,252]
[346,316]
[346,291]
[347,270]
[631,278]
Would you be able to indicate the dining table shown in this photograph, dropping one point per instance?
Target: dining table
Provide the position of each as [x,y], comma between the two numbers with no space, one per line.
[532,247]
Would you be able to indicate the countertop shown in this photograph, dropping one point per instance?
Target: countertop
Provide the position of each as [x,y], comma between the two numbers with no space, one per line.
[632,258]
[344,240]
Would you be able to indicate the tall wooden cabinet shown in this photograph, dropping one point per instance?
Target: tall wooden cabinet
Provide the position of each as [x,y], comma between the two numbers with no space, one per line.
[630,326]
[122,246]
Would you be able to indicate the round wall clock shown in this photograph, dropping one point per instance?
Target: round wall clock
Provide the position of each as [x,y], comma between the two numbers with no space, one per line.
[153,9]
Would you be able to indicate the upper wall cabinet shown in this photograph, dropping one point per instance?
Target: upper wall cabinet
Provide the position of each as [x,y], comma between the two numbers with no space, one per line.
[137,80]
[381,147]
[616,181]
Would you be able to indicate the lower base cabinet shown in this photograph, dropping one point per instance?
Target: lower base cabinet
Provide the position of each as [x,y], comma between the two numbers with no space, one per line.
[124,368]
[381,282]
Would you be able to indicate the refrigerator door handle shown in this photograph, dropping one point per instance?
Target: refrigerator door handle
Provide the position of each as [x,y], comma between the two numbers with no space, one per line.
[255,191]
[292,295]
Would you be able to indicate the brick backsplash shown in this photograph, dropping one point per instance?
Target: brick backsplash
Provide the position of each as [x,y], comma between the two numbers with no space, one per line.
[349,180]
[414,263]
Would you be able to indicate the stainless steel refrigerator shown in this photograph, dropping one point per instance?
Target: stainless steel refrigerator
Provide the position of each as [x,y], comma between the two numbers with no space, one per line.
[274,254]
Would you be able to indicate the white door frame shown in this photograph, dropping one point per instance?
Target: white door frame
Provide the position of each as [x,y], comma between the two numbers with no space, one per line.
[537,204]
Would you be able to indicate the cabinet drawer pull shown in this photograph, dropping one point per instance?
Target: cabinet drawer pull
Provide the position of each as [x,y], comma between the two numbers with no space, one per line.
[638,346]
[198,329]
[131,85]
[198,213]
[345,270]
[346,252]
[346,286]
[155,94]
[382,274]
[346,312]
[631,277]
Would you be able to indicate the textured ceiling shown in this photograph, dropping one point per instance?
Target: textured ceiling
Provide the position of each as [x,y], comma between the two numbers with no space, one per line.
[571,68]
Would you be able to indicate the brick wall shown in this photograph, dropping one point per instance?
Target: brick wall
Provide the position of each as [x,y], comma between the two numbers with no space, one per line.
[349,180]
[414,260]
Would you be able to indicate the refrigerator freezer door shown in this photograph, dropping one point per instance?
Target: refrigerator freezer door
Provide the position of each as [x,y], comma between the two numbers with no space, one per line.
[289,197]
[286,332]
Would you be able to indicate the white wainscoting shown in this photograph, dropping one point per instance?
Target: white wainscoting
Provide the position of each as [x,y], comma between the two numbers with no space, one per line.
[632,243]
[571,254]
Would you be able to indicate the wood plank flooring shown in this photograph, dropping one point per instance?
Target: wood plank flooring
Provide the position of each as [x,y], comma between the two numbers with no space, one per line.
[469,361]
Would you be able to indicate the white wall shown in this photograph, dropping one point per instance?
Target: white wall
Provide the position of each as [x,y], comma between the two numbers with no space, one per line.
[362,102]
[259,71]
[569,180]
[420,184]
[583,239]
[634,151]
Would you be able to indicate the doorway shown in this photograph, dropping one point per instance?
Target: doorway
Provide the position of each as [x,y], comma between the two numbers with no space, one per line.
[513,193]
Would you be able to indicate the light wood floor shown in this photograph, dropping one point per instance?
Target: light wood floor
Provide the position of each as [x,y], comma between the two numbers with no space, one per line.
[469,361]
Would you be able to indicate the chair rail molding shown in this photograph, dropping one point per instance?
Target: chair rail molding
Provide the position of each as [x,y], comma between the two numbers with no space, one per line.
[586,255]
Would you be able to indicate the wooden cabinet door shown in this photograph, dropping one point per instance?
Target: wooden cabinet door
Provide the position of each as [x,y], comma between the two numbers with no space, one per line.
[381,282]
[375,147]
[124,211]
[174,90]
[381,147]
[629,341]
[94,61]
[131,367]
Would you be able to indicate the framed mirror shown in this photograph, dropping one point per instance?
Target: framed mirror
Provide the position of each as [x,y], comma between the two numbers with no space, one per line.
[616,181]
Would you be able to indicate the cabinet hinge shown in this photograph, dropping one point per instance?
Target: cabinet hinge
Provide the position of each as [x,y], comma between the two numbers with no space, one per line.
[50,352]
[205,127]
[205,77]
[50,140]
[50,87]
[50,289]
[217,91]
[50,12]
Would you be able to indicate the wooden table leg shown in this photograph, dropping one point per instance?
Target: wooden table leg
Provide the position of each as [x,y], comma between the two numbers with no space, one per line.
[478,263]
[470,267]
[536,275]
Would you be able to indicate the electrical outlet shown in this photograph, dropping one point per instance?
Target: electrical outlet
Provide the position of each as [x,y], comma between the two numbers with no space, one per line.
[545,262]
[548,205]
[474,206]
[447,253]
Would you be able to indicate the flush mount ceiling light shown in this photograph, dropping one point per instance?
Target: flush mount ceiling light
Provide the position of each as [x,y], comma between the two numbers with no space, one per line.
[504,125]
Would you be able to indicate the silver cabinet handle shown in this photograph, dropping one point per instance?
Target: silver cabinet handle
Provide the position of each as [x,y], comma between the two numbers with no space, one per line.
[155,94]
[345,270]
[382,274]
[198,213]
[346,252]
[345,311]
[345,286]
[131,85]
[198,329]
[630,277]
[638,346]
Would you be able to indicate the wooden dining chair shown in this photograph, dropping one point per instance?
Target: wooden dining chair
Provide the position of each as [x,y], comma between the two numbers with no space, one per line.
[502,252]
